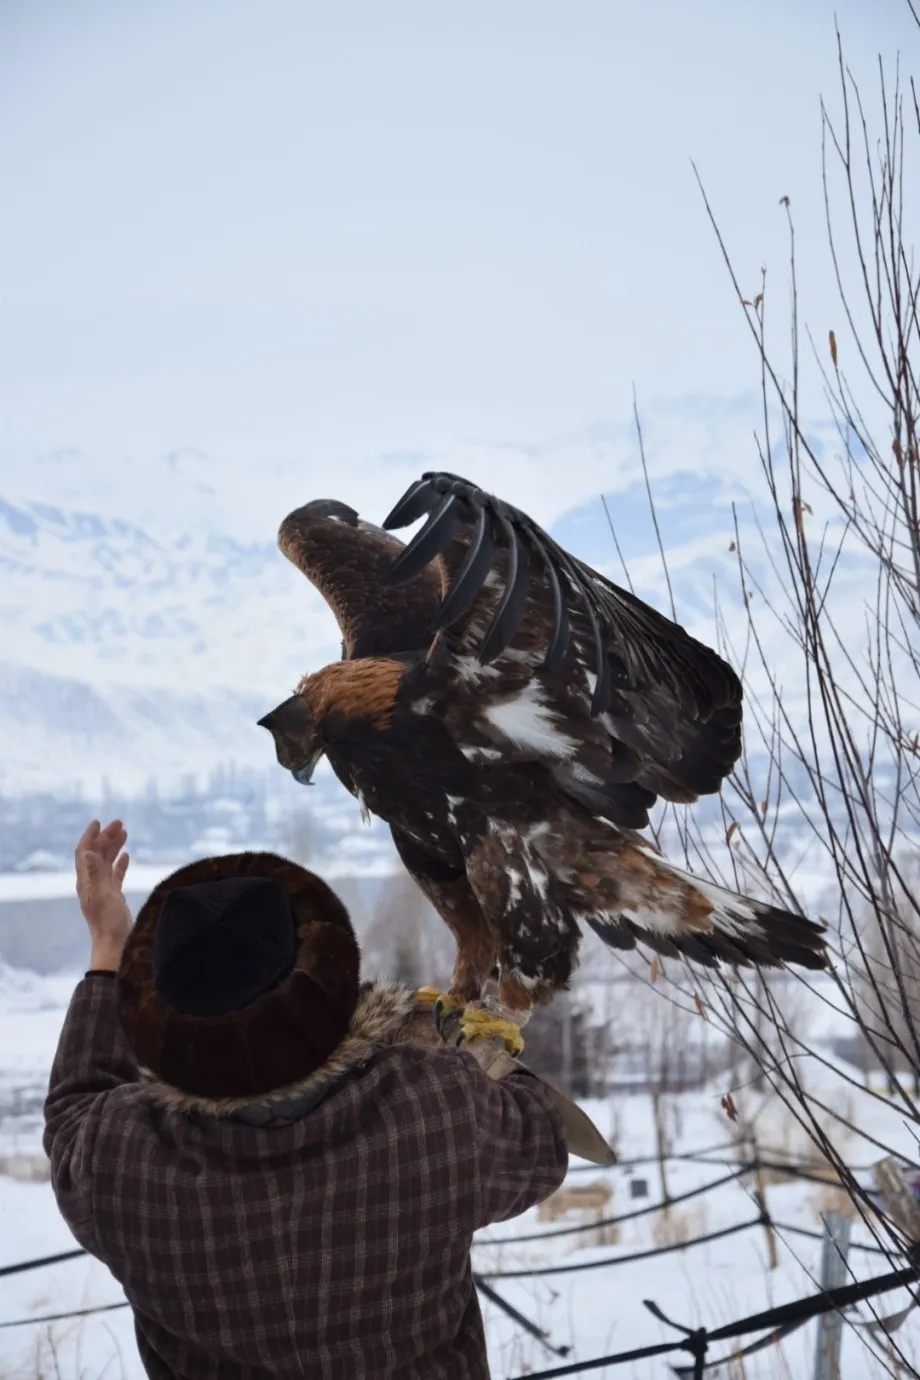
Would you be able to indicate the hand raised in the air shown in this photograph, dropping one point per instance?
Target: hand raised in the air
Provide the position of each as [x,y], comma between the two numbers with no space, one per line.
[101,868]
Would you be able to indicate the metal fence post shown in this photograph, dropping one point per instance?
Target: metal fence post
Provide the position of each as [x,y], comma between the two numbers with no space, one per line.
[833,1275]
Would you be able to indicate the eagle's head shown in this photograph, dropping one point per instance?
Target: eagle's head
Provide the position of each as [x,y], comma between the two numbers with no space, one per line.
[298,745]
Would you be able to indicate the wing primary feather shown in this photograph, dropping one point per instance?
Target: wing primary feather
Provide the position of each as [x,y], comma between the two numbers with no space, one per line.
[559,644]
[441,527]
[470,575]
[507,618]
[572,569]
[416,501]
[600,700]
[620,624]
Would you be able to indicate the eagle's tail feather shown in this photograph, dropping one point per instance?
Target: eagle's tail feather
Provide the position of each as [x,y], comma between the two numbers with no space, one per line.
[710,925]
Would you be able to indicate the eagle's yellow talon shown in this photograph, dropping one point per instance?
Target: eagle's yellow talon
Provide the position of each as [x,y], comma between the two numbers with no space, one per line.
[442,1002]
[477,1024]
[444,1008]
[446,1005]
[427,996]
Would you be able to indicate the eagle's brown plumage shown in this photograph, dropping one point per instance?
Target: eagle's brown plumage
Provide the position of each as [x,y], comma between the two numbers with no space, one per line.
[513,716]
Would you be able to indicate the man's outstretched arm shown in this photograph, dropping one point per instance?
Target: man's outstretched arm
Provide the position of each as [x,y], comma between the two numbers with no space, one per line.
[93,1057]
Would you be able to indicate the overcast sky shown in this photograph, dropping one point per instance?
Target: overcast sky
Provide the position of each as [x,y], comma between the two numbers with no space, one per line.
[308,233]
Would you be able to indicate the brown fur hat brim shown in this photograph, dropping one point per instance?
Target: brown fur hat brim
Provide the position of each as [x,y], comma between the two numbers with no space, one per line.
[277,1040]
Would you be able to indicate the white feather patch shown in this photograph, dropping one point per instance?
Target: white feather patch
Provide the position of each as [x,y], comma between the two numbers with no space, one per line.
[471,670]
[662,922]
[481,754]
[581,773]
[526,721]
[522,979]
[732,914]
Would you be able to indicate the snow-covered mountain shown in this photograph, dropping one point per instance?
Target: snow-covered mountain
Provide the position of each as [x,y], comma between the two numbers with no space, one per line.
[142,651]
[105,599]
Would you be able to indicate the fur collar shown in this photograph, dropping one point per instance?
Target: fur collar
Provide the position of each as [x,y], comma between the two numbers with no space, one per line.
[382,1016]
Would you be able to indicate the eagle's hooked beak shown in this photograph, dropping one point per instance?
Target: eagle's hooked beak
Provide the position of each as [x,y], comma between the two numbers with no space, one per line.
[298,747]
[303,774]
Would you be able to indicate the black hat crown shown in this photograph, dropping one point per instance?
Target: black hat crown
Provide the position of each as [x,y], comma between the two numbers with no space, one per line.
[221,945]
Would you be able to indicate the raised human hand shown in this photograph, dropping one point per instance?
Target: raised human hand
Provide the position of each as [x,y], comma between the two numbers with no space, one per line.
[101,868]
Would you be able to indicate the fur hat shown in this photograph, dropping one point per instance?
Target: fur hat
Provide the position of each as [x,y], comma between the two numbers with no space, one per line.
[239,977]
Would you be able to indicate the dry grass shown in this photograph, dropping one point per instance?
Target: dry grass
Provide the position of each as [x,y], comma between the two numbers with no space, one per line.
[589,1201]
[586,1203]
[52,1356]
[793,1146]
[601,1236]
[813,1163]
[672,1226]
[833,1198]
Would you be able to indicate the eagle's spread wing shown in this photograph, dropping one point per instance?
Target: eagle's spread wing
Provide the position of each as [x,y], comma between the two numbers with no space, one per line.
[346,559]
[622,703]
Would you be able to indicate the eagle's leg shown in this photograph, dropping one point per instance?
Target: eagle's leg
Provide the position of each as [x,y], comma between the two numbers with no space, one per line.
[462,1013]
[478,1016]
[502,1013]
[481,1022]
[475,958]
[520,991]
[515,996]
[449,891]
[471,968]
[466,980]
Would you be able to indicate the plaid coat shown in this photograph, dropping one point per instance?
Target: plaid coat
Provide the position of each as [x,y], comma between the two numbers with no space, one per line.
[333,1241]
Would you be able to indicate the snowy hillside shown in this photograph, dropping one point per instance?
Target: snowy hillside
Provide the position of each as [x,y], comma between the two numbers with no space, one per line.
[139,655]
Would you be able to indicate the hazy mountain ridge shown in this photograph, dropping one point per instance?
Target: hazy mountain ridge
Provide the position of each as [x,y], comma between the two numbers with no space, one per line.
[64,730]
[75,581]
[133,652]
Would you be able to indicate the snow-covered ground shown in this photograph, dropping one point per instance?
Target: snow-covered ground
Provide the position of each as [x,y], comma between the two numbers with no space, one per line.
[594,1312]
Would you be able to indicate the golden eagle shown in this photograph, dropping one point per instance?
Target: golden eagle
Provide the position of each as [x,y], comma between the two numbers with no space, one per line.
[513,715]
